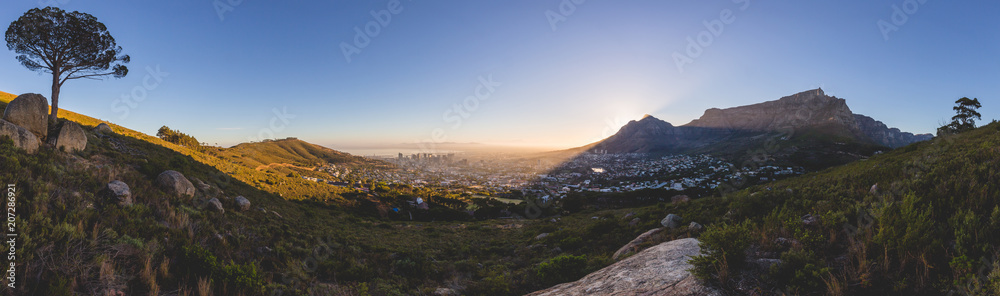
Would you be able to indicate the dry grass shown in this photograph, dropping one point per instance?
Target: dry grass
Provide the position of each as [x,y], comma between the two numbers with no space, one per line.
[835,285]
[204,287]
[165,268]
[148,273]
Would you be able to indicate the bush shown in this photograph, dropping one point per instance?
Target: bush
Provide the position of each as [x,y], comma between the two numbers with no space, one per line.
[199,262]
[725,250]
[800,271]
[562,269]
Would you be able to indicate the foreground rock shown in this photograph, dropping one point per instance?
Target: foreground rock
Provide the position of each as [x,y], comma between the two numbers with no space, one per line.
[243,203]
[633,246]
[22,138]
[70,138]
[30,111]
[117,192]
[175,183]
[660,270]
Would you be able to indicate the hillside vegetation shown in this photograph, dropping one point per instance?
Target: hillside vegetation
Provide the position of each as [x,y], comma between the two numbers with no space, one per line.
[919,220]
[929,227]
[77,243]
[242,161]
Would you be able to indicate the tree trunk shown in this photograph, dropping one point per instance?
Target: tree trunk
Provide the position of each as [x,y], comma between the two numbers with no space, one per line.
[53,117]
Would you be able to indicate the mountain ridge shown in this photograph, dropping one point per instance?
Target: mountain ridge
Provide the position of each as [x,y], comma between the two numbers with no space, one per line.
[809,128]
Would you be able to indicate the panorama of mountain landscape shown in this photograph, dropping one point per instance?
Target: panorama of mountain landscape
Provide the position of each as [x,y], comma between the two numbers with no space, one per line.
[556,147]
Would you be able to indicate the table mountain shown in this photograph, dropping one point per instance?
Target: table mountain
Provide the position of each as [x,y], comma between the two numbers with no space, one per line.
[804,128]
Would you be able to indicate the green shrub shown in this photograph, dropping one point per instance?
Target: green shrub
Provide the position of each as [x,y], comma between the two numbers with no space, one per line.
[562,269]
[800,271]
[725,250]
[199,262]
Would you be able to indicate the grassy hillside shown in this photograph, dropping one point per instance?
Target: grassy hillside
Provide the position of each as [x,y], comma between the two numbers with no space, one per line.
[76,243]
[295,152]
[244,161]
[920,220]
[929,227]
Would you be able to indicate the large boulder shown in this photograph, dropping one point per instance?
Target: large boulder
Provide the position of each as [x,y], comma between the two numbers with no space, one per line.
[671,221]
[215,205]
[30,111]
[633,246]
[70,137]
[117,192]
[175,183]
[243,203]
[103,128]
[206,190]
[22,138]
[659,270]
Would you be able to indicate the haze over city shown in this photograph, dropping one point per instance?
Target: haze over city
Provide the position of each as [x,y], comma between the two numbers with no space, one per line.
[554,74]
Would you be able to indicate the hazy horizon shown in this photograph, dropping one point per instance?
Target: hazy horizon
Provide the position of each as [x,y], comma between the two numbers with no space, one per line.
[549,74]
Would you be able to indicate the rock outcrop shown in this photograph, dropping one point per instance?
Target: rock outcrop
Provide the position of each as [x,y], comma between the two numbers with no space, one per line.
[70,137]
[22,138]
[215,205]
[671,221]
[117,192]
[175,183]
[103,128]
[30,111]
[659,270]
[633,246]
[243,203]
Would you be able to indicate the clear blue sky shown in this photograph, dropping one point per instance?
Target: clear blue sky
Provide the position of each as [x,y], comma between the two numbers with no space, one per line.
[606,63]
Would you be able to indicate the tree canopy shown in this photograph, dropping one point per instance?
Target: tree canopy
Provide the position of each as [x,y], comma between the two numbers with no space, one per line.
[68,45]
[965,117]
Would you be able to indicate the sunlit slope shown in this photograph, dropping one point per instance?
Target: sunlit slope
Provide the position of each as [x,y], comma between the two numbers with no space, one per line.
[295,152]
[244,161]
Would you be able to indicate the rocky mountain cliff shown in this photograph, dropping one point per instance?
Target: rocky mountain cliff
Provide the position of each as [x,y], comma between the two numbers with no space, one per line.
[889,137]
[809,108]
[806,112]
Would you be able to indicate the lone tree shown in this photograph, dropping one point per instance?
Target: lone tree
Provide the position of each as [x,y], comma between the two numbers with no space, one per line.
[966,116]
[68,45]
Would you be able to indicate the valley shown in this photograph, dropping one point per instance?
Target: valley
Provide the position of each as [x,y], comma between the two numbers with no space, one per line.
[475,148]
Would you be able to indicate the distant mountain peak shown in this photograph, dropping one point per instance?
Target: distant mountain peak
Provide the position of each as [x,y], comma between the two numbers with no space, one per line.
[807,111]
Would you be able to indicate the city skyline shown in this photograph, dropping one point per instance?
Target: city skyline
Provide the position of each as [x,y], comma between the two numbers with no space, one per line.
[556,74]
